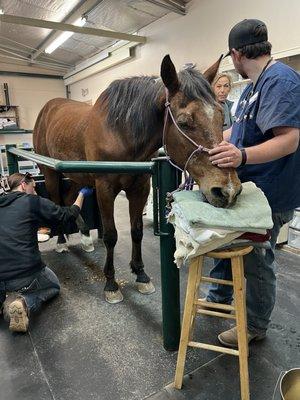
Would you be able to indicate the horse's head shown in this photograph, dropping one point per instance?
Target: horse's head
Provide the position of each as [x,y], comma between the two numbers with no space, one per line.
[200,117]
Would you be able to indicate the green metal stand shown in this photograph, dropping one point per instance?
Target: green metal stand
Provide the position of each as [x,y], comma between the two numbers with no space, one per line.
[166,179]
[12,160]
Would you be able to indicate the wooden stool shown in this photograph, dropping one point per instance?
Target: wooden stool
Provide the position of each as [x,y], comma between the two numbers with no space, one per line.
[191,309]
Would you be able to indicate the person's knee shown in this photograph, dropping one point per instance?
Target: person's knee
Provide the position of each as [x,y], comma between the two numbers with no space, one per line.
[50,279]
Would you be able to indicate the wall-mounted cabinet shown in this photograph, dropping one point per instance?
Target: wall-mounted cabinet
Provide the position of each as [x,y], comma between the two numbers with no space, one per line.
[9,117]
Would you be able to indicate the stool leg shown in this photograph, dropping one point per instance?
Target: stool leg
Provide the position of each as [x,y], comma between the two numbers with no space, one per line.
[194,311]
[187,319]
[241,320]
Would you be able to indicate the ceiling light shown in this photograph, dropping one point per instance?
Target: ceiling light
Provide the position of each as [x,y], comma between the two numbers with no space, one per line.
[1,11]
[64,36]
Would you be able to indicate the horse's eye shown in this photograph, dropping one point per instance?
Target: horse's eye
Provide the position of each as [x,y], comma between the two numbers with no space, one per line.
[184,125]
[185,121]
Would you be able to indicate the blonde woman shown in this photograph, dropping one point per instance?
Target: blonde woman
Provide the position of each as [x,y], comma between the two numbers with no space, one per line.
[221,86]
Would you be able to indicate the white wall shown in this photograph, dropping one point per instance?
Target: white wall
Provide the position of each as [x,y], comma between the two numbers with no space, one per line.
[30,94]
[200,36]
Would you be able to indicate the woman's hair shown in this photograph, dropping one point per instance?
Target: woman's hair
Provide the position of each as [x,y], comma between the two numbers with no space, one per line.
[222,75]
[16,179]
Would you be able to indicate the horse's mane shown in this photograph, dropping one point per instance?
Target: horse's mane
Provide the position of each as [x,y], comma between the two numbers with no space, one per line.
[132,103]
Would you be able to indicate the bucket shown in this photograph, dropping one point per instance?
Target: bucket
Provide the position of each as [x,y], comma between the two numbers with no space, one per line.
[290,385]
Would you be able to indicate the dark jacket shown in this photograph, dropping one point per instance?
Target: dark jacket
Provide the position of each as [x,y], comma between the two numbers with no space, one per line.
[21,215]
[228,118]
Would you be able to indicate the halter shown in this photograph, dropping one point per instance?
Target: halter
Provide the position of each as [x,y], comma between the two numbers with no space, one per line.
[188,183]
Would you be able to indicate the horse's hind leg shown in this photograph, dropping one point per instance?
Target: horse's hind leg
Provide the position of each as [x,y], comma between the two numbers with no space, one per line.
[106,195]
[137,196]
[86,239]
[69,198]
[52,183]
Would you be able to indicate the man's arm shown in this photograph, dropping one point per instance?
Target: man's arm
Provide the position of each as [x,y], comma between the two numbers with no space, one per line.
[286,141]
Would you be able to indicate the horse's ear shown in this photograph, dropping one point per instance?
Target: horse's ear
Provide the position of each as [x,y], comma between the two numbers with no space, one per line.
[169,76]
[211,72]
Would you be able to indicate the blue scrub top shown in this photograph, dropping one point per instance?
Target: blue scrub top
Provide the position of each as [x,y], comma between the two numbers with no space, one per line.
[274,103]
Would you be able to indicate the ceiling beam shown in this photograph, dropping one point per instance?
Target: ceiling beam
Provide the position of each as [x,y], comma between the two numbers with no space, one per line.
[60,26]
[41,63]
[13,66]
[10,63]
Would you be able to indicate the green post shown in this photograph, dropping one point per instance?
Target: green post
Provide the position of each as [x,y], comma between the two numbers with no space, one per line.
[12,160]
[166,179]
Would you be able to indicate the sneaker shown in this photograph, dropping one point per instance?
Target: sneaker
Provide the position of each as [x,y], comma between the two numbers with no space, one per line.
[211,308]
[16,313]
[229,338]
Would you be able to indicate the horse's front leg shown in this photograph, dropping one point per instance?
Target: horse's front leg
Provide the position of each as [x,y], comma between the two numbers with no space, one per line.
[137,196]
[53,186]
[106,196]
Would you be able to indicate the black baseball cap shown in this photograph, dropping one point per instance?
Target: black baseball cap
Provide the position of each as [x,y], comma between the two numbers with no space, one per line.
[246,32]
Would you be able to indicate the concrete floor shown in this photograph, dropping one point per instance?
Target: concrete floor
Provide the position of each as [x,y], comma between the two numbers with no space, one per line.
[82,348]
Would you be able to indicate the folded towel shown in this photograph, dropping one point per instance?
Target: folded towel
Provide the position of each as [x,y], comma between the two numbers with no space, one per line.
[201,227]
[250,213]
[207,240]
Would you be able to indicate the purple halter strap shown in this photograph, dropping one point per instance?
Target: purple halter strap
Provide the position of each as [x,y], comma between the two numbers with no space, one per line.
[188,183]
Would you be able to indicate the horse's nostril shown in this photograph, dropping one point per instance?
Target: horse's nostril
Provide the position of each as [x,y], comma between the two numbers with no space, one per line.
[219,192]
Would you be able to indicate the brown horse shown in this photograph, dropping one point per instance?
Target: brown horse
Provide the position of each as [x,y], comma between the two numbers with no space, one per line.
[126,124]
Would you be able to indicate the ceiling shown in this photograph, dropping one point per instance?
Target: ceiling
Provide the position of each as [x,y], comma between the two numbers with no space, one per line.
[24,45]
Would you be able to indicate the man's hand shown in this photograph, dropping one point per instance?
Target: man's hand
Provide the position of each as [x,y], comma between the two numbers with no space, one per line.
[226,155]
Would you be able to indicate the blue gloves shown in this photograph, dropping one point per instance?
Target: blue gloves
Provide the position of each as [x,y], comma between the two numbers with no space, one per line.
[86,191]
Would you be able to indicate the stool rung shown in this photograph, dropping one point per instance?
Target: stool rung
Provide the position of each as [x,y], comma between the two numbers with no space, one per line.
[210,304]
[214,348]
[216,314]
[214,280]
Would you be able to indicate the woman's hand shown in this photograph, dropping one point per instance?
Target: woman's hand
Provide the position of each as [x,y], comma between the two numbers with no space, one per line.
[86,191]
[226,155]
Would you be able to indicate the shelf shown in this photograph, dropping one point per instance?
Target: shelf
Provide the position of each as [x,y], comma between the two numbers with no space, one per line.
[10,105]
[14,131]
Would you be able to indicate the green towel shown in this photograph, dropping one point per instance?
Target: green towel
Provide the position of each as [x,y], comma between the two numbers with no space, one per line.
[250,213]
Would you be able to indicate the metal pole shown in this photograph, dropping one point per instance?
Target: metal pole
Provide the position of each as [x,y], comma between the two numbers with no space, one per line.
[12,160]
[166,180]
[100,167]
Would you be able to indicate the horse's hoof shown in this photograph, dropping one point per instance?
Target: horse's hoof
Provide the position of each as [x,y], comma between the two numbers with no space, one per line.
[113,297]
[87,243]
[62,248]
[146,288]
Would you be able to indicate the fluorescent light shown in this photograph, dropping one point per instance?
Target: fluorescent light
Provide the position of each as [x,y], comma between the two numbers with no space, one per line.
[1,11]
[63,37]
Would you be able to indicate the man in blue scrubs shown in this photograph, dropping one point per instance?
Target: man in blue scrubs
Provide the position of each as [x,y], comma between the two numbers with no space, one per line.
[263,144]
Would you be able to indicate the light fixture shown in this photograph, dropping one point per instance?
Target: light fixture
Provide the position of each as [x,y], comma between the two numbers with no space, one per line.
[1,11]
[64,36]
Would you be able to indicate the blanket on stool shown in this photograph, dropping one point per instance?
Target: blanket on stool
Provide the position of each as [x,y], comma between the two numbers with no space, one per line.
[201,227]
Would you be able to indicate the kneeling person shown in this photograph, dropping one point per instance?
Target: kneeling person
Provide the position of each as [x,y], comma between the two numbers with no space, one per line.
[25,281]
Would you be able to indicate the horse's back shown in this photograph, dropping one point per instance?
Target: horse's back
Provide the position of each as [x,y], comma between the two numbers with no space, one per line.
[60,123]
